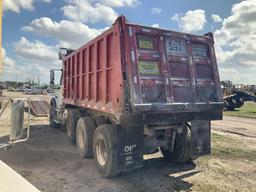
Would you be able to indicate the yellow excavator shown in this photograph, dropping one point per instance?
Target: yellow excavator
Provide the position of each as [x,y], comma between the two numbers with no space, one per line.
[235,96]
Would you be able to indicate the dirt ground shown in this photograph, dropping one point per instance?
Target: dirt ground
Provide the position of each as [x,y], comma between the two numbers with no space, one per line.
[50,163]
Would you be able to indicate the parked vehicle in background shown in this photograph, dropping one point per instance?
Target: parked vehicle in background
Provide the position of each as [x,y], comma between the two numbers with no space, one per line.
[20,89]
[135,89]
[26,90]
[11,89]
[35,91]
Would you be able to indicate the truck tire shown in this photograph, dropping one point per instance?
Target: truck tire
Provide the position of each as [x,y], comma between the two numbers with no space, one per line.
[71,122]
[105,149]
[182,148]
[84,136]
[52,117]
[100,120]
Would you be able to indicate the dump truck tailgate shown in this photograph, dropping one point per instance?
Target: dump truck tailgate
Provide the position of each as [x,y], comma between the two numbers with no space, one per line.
[173,70]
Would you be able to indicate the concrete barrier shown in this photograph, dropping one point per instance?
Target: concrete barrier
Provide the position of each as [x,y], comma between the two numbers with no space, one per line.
[11,181]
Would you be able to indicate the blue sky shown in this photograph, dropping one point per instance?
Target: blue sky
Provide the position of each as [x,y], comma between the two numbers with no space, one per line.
[34,29]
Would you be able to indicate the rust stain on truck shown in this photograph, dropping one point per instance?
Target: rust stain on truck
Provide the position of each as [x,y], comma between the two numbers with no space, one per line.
[155,87]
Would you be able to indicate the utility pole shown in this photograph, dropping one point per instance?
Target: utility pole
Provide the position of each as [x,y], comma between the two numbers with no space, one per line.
[38,80]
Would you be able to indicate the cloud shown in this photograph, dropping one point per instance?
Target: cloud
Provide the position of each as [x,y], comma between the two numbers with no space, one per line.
[191,21]
[119,3]
[70,34]
[8,62]
[216,18]
[36,51]
[17,5]
[8,66]
[156,11]
[156,25]
[33,59]
[86,11]
[236,44]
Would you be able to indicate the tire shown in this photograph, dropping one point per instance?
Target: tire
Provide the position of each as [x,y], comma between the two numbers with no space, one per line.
[105,150]
[52,117]
[84,136]
[182,148]
[100,120]
[71,123]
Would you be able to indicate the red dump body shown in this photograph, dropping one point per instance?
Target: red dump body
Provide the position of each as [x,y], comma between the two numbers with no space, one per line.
[143,69]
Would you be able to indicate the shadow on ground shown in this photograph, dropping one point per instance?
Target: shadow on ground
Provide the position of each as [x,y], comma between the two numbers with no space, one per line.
[49,162]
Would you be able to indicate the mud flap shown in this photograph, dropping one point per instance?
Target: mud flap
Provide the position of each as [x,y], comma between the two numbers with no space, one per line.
[129,148]
[201,138]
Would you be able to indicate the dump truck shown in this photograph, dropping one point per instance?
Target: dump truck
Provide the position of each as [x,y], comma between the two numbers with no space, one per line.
[135,90]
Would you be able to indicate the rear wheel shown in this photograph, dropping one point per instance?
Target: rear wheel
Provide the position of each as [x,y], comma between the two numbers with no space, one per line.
[182,147]
[71,123]
[105,150]
[84,136]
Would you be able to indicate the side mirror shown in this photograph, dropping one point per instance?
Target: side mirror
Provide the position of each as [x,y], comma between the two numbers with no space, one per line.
[61,77]
[52,75]
[64,52]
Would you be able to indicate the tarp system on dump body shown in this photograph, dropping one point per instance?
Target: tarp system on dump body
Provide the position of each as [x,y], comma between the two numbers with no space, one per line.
[143,69]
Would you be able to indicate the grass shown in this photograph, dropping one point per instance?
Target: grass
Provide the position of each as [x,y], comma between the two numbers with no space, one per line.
[225,152]
[247,110]
[207,187]
[227,147]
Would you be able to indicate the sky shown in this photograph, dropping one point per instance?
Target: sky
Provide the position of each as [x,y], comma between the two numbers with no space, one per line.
[33,30]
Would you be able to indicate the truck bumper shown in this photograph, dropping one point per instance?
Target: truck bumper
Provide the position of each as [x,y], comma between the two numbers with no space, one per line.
[177,107]
[167,118]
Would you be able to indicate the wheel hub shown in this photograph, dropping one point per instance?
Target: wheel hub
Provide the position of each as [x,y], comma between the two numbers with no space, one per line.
[81,138]
[101,151]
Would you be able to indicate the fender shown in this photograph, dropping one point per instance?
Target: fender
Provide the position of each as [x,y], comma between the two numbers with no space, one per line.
[53,101]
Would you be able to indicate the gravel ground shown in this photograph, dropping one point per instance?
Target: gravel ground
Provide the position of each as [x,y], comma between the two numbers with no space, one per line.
[50,163]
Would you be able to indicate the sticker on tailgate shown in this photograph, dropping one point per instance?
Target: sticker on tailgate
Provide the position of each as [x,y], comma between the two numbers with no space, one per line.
[175,46]
[199,51]
[145,42]
[148,68]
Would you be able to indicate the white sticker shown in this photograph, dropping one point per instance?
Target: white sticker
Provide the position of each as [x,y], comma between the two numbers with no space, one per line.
[133,55]
[135,79]
[130,31]
[129,148]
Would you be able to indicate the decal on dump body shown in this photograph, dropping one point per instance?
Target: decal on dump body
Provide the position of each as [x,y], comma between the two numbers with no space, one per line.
[199,51]
[148,68]
[145,42]
[175,46]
